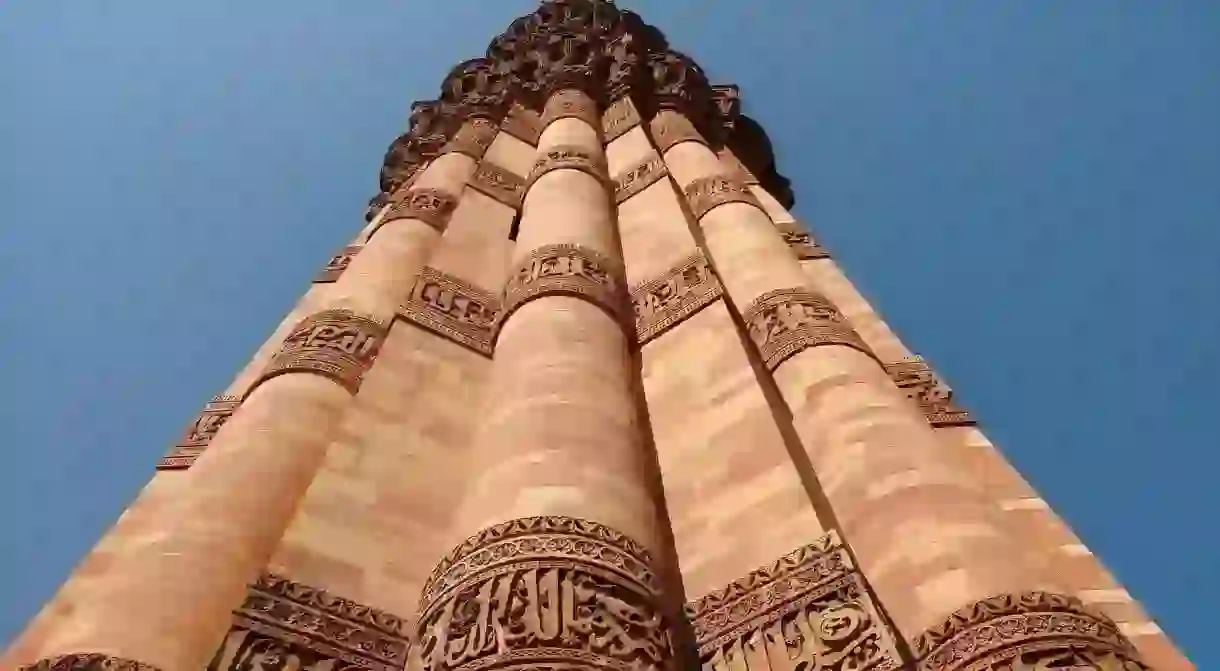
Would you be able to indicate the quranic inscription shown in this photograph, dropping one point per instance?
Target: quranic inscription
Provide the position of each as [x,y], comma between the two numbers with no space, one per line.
[708,193]
[784,322]
[431,206]
[338,344]
[499,183]
[800,242]
[570,104]
[454,309]
[553,593]
[1027,631]
[200,433]
[669,129]
[807,611]
[87,661]
[569,270]
[568,157]
[338,263]
[288,626]
[473,139]
[620,117]
[665,302]
[914,376]
[523,124]
[651,170]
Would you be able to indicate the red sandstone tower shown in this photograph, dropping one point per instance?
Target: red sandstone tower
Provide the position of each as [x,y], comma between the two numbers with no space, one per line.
[582,332]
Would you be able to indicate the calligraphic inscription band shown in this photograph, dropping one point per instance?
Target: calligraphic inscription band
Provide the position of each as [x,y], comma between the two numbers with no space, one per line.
[620,117]
[914,376]
[473,139]
[807,611]
[786,321]
[338,344]
[800,242]
[665,302]
[454,309]
[651,170]
[523,124]
[1031,630]
[544,592]
[670,129]
[200,433]
[571,103]
[499,183]
[337,264]
[570,270]
[431,206]
[87,661]
[707,193]
[568,157]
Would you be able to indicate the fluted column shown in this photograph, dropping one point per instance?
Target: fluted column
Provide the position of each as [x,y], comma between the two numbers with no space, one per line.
[170,595]
[557,569]
[924,532]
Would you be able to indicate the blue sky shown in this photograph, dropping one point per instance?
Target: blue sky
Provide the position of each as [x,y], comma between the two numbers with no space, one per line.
[1025,190]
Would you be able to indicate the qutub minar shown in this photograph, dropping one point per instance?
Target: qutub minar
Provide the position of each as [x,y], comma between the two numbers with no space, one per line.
[582,332]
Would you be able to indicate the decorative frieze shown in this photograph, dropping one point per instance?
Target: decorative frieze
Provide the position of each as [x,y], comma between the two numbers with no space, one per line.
[1031,630]
[735,167]
[571,270]
[620,117]
[707,193]
[669,129]
[524,124]
[473,138]
[665,302]
[800,242]
[571,103]
[87,661]
[288,626]
[337,264]
[786,321]
[642,176]
[544,592]
[431,206]
[568,157]
[914,376]
[807,611]
[499,183]
[338,344]
[201,431]
[453,309]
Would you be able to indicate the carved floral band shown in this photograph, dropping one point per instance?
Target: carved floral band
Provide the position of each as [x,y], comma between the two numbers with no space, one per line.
[431,206]
[338,344]
[200,433]
[571,270]
[568,157]
[571,103]
[707,193]
[784,322]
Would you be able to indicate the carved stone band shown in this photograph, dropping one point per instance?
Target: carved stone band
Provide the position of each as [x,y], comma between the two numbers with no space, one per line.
[786,321]
[338,263]
[499,183]
[472,139]
[933,397]
[284,625]
[568,157]
[620,117]
[454,309]
[669,128]
[524,124]
[431,206]
[544,592]
[665,302]
[707,193]
[569,270]
[807,611]
[87,661]
[736,168]
[642,176]
[197,436]
[800,242]
[571,103]
[338,344]
[1032,630]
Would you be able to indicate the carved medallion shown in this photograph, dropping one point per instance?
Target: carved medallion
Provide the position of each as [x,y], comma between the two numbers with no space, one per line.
[568,157]
[338,344]
[639,178]
[570,270]
[200,433]
[670,128]
[786,321]
[338,263]
[544,593]
[87,661]
[571,103]
[800,242]
[1032,630]
[620,117]
[808,611]
[288,626]
[473,138]
[499,183]
[933,397]
[665,302]
[454,309]
[524,124]
[431,206]
[707,193]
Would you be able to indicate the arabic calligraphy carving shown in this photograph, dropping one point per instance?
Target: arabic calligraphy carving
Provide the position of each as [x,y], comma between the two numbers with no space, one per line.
[800,242]
[914,376]
[473,139]
[452,308]
[570,270]
[569,157]
[523,124]
[642,176]
[431,206]
[338,263]
[707,193]
[499,183]
[338,344]
[665,302]
[87,661]
[620,117]
[786,321]
[668,128]
[200,433]
[570,103]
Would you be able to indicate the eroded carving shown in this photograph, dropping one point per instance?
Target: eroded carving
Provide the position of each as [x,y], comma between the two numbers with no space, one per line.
[473,139]
[523,124]
[620,117]
[735,168]
[431,206]
[200,433]
[571,103]
[337,264]
[570,270]
[786,321]
[499,183]
[639,178]
[568,157]
[807,611]
[1027,631]
[87,661]
[914,376]
[669,128]
[665,302]
[454,309]
[544,592]
[800,242]
[338,344]
[707,193]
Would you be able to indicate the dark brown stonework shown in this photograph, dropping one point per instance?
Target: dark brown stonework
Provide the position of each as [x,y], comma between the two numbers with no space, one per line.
[934,397]
[708,193]
[665,302]
[454,309]
[787,321]
[499,183]
[87,661]
[807,611]
[648,172]
[544,593]
[801,243]
[200,433]
[566,157]
[567,270]
[619,118]
[338,344]
[431,206]
[337,264]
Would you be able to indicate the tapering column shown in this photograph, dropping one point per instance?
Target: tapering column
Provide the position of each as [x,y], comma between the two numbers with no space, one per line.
[927,538]
[557,569]
[170,596]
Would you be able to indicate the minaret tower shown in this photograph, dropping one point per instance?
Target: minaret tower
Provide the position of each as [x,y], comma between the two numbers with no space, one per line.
[583,394]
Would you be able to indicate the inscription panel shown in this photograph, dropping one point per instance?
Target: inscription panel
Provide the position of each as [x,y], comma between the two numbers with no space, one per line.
[454,309]
[620,117]
[568,157]
[707,193]
[338,344]
[431,206]
[642,176]
[473,139]
[523,124]
[338,263]
[669,129]
[200,433]
[914,376]
[571,103]
[800,242]
[567,269]
[499,183]
[786,321]
[87,661]
[665,302]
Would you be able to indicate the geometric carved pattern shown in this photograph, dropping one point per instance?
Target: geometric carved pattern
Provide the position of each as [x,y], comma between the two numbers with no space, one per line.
[620,117]
[553,593]
[568,157]
[934,397]
[786,321]
[707,193]
[642,176]
[454,309]
[499,183]
[431,206]
[570,270]
[808,611]
[338,263]
[570,103]
[200,433]
[800,242]
[338,344]
[523,124]
[663,303]
[287,626]
[87,661]
[1032,630]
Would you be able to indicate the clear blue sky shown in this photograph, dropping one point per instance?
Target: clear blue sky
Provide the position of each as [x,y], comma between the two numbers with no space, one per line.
[1027,191]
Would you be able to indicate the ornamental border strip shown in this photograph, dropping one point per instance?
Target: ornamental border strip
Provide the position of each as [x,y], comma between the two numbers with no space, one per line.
[689,297]
[189,447]
[309,348]
[498,183]
[527,282]
[419,311]
[337,264]
[629,183]
[916,378]
[788,333]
